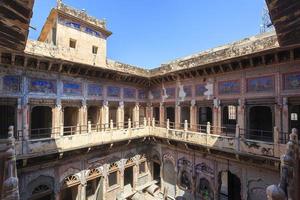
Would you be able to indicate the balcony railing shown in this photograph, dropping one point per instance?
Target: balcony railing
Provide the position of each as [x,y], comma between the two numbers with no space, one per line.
[223,138]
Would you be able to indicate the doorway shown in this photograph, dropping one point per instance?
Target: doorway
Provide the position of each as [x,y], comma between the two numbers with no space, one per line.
[128,176]
[170,114]
[156,113]
[204,115]
[7,117]
[185,115]
[41,122]
[156,171]
[260,123]
[71,115]
[230,186]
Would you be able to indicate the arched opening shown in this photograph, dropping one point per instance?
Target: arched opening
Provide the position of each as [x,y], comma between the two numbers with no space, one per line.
[156,172]
[260,123]
[184,180]
[169,178]
[71,120]
[94,187]
[204,115]
[229,119]
[42,192]
[70,188]
[41,122]
[7,117]
[128,176]
[204,190]
[94,115]
[170,114]
[185,115]
[230,186]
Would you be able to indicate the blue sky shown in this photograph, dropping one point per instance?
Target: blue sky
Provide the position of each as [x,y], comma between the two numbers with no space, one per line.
[151,32]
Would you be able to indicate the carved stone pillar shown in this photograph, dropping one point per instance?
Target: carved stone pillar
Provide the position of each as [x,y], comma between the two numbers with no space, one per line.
[19,116]
[26,114]
[161,114]
[83,114]
[285,115]
[241,113]
[217,116]
[10,189]
[278,114]
[193,115]
[120,115]
[136,115]
[177,115]
[149,111]
[105,115]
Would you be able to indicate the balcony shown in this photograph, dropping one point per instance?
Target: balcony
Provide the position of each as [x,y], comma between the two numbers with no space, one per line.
[226,139]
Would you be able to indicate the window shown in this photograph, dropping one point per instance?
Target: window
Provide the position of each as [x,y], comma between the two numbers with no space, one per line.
[142,167]
[72,43]
[294,116]
[113,179]
[231,112]
[95,50]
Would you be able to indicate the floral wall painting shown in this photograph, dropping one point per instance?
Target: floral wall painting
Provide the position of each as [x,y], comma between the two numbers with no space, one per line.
[113,91]
[42,86]
[72,88]
[229,87]
[129,93]
[260,84]
[95,90]
[11,83]
[291,81]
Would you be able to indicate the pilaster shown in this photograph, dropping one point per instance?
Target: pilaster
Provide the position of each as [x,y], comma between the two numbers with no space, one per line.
[161,114]
[177,115]
[120,115]
[193,115]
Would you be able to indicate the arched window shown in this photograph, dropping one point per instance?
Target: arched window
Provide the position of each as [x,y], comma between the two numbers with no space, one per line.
[42,192]
[204,189]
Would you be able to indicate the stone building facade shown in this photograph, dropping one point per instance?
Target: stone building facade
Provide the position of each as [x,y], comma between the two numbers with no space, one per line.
[209,126]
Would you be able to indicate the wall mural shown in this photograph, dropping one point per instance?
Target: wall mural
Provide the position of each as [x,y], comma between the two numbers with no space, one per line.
[129,93]
[95,90]
[200,89]
[113,91]
[188,90]
[292,81]
[156,94]
[229,87]
[260,84]
[11,83]
[42,85]
[72,88]
[142,94]
[170,92]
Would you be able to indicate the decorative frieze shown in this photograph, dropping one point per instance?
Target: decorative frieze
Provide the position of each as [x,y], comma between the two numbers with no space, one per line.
[291,81]
[113,91]
[11,83]
[129,93]
[260,84]
[72,88]
[95,90]
[229,87]
[42,86]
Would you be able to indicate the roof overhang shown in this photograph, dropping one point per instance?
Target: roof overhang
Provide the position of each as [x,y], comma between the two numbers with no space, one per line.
[14,23]
[285,16]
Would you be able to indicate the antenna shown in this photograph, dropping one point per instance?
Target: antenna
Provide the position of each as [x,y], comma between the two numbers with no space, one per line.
[266,23]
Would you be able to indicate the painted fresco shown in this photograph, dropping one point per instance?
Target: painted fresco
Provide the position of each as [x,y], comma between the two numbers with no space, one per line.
[170,92]
[43,86]
[229,87]
[142,94]
[113,91]
[11,83]
[95,90]
[129,93]
[188,90]
[156,94]
[292,81]
[260,84]
[200,90]
[72,88]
